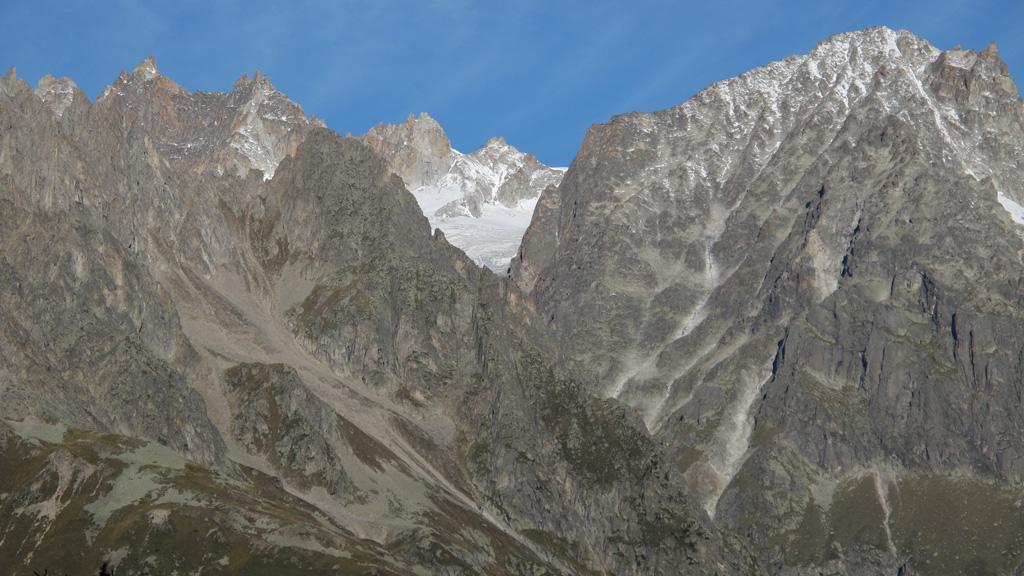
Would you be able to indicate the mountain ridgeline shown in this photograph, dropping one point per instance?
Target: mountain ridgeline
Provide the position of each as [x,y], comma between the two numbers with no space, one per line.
[772,330]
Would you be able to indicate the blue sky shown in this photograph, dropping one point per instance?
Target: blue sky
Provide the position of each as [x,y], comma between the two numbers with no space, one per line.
[538,72]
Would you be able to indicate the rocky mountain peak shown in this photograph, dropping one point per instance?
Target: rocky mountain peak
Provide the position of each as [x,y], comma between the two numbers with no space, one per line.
[267,125]
[252,127]
[496,142]
[57,93]
[257,84]
[260,78]
[707,263]
[146,69]
[504,158]
[143,82]
[241,83]
[422,121]
[417,149]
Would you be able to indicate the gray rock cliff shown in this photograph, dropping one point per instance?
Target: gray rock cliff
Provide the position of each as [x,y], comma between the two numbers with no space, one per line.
[804,278]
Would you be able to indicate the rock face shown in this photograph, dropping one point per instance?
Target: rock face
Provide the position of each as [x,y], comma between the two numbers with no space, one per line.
[805,279]
[252,127]
[58,94]
[482,201]
[294,367]
[771,330]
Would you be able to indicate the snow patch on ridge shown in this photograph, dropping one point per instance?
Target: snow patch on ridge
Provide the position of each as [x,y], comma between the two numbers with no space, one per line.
[253,140]
[492,239]
[1015,210]
[257,137]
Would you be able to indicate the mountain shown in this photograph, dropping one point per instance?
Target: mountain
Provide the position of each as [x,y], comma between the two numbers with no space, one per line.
[482,201]
[295,368]
[772,330]
[252,127]
[805,279]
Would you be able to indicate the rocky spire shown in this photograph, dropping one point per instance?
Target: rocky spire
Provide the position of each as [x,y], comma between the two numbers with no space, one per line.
[418,149]
[57,93]
[252,127]
[146,69]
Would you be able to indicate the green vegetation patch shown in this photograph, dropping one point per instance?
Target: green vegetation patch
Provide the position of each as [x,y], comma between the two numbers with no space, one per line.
[957,525]
[596,437]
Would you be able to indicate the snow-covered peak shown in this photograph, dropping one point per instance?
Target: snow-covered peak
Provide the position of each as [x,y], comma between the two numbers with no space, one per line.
[498,154]
[498,173]
[490,197]
[482,200]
